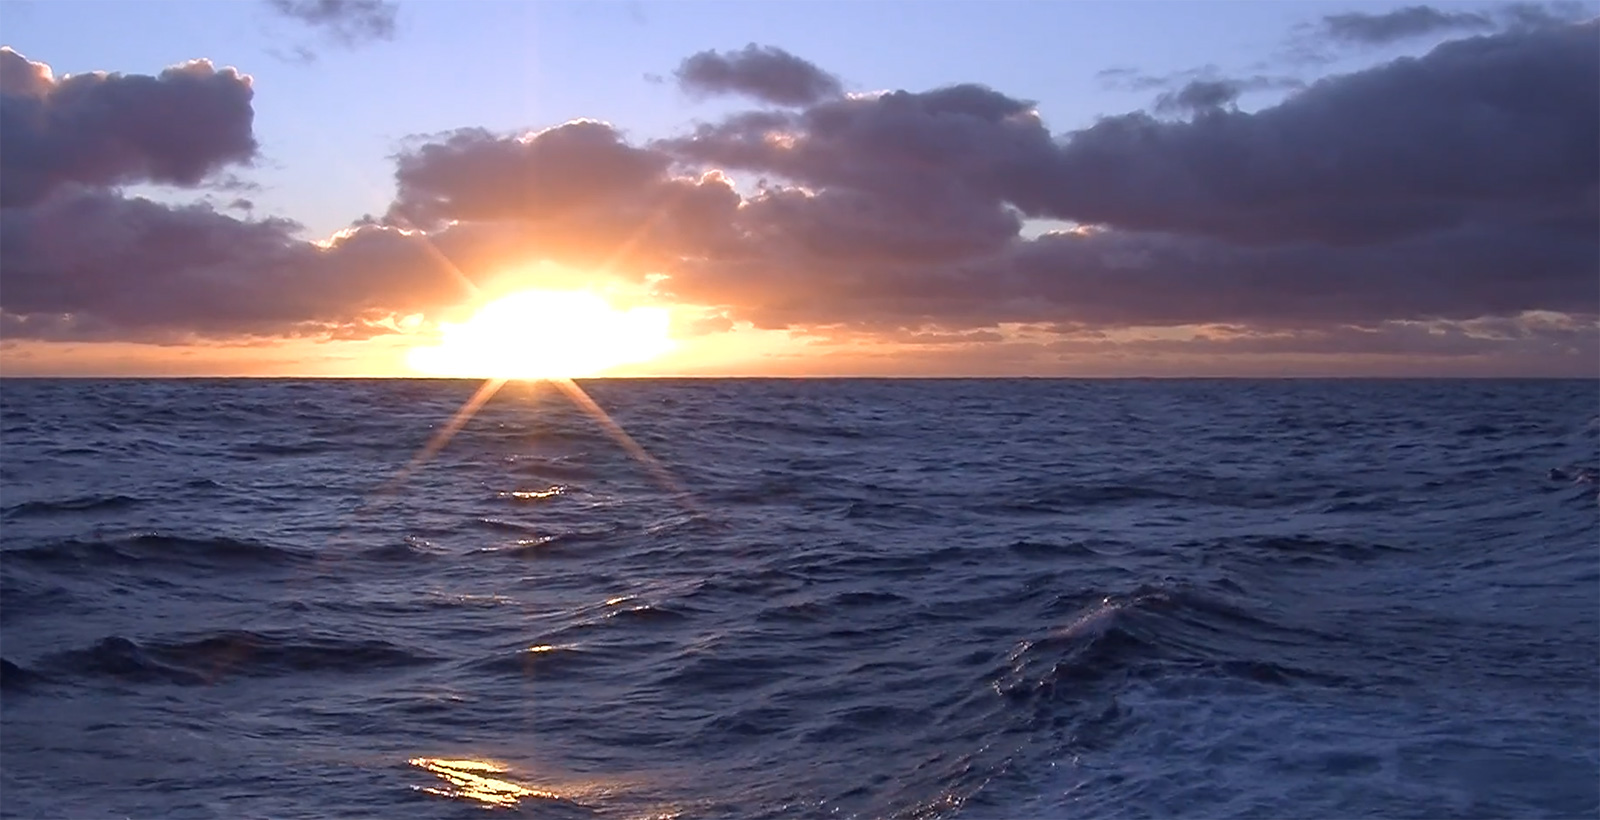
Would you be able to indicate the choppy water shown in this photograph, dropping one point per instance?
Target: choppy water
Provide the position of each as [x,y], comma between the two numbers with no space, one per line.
[977,599]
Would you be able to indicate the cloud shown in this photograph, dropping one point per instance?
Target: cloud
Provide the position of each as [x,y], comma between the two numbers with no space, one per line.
[1126,78]
[22,77]
[350,22]
[176,128]
[472,174]
[1200,95]
[1477,131]
[1196,89]
[1515,16]
[1457,185]
[965,141]
[762,72]
[1108,279]
[576,193]
[1332,37]
[1411,21]
[93,265]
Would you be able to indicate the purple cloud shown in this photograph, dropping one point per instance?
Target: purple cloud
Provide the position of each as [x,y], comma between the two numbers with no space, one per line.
[97,129]
[1378,29]
[762,72]
[1403,23]
[90,264]
[1478,130]
[475,175]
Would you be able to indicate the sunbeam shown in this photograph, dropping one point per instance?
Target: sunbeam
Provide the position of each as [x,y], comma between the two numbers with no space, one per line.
[485,392]
[663,477]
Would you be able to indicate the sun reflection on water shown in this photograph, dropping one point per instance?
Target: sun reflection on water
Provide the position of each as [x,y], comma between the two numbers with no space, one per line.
[488,784]
[474,780]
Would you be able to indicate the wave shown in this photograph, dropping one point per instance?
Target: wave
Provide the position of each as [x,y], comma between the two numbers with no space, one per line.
[543,659]
[1576,474]
[1153,631]
[299,448]
[1293,550]
[212,657]
[81,504]
[545,545]
[159,550]
[15,678]
[406,549]
[648,614]
[1054,550]
[502,525]
[866,599]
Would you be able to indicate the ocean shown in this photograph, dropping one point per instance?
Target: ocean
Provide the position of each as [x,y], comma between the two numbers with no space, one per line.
[800,598]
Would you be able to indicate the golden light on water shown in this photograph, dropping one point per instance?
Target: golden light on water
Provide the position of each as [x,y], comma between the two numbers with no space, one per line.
[535,495]
[491,784]
[478,780]
[545,334]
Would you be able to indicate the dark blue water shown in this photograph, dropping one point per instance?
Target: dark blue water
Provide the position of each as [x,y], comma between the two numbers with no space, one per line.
[977,599]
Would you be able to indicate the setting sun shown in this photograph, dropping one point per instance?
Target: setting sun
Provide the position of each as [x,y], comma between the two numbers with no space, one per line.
[543,334]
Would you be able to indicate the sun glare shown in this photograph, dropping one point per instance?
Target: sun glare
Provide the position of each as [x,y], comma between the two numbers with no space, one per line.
[545,334]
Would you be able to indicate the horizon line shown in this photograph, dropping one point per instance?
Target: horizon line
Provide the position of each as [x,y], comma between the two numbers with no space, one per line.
[812,377]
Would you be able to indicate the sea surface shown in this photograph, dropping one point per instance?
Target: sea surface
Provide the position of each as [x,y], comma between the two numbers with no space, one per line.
[806,598]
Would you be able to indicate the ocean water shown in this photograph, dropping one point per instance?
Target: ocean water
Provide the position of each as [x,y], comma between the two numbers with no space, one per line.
[853,598]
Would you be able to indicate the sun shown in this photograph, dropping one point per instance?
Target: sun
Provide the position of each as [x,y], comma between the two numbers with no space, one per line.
[545,334]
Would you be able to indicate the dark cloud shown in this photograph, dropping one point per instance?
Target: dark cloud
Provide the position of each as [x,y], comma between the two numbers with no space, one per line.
[350,22]
[1458,185]
[1478,130]
[1107,279]
[1403,23]
[763,72]
[90,264]
[1323,41]
[176,128]
[1200,95]
[1112,278]
[963,142]
[1515,16]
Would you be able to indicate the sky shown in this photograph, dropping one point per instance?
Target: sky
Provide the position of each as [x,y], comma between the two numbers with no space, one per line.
[324,187]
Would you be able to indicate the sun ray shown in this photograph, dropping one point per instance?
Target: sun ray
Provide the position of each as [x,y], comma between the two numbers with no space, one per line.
[485,392]
[663,476]
[431,248]
[633,239]
[437,442]
[492,385]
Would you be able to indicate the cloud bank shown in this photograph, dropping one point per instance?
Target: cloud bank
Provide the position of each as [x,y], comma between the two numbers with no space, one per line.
[1440,206]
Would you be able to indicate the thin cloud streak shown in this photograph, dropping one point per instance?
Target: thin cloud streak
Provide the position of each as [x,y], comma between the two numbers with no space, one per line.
[348,22]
